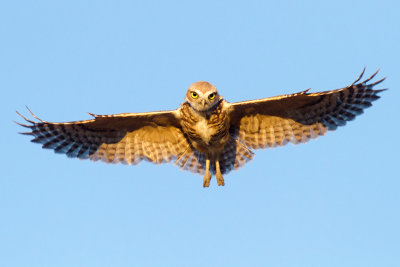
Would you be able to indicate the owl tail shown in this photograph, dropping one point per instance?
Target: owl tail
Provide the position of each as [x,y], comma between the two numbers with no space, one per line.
[234,156]
[192,160]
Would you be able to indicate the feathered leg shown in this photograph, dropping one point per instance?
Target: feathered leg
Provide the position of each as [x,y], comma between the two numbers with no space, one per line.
[218,174]
[207,175]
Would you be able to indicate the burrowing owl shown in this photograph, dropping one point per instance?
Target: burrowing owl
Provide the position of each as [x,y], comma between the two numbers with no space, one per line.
[206,134]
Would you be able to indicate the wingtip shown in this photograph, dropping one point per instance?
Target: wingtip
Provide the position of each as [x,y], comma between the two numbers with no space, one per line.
[360,76]
[371,77]
[363,71]
[26,133]
[23,125]
[381,90]
[26,119]
[93,115]
[34,114]
[18,113]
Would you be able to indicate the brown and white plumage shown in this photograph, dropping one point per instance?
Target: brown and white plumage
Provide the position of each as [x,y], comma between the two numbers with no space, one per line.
[297,118]
[206,134]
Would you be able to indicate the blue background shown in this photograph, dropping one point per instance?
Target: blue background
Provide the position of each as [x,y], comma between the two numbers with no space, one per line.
[331,202]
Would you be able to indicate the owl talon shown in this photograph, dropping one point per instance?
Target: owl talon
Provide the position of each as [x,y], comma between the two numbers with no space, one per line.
[218,174]
[220,179]
[206,180]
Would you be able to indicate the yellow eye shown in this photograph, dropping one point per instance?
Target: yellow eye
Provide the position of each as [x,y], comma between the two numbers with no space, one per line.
[211,96]
[195,95]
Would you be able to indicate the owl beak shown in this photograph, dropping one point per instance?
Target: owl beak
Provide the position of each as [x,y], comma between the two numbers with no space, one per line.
[203,102]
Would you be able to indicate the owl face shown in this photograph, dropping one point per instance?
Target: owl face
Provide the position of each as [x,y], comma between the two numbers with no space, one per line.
[202,96]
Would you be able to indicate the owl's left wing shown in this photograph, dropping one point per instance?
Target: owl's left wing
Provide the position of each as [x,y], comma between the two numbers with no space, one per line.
[298,117]
[128,138]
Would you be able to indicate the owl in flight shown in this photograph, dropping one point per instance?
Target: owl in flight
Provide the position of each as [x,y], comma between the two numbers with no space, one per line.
[206,134]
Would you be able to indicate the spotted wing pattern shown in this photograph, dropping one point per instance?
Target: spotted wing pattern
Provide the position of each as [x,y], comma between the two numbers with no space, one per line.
[297,118]
[127,138]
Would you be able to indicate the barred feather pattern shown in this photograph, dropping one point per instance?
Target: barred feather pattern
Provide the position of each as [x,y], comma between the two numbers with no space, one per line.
[234,156]
[261,131]
[323,111]
[155,144]
[192,160]
[217,121]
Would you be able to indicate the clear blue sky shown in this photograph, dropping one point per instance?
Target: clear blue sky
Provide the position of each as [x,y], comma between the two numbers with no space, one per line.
[331,202]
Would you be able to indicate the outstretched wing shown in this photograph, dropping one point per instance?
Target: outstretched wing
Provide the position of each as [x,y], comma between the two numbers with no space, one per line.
[128,138]
[298,117]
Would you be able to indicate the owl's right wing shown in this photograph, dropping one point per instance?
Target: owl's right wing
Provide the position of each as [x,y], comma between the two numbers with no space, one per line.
[298,117]
[128,138]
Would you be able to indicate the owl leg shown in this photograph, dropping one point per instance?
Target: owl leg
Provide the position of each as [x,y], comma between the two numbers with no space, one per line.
[218,174]
[207,175]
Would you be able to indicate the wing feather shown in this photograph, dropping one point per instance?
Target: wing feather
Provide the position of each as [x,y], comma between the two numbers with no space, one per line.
[299,117]
[122,138]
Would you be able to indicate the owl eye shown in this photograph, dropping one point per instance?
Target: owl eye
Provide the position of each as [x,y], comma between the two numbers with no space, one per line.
[211,96]
[195,95]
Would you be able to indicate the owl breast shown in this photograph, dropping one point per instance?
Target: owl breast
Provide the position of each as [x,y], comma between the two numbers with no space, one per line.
[207,134]
[204,130]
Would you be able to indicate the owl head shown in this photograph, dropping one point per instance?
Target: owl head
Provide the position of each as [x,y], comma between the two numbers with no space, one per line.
[202,96]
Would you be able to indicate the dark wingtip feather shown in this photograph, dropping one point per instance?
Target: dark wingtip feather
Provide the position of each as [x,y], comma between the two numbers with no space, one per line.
[371,77]
[378,82]
[26,119]
[93,115]
[381,90]
[34,114]
[23,125]
[359,77]
[26,133]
